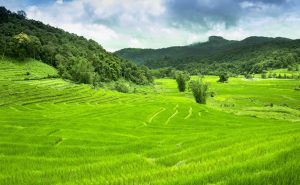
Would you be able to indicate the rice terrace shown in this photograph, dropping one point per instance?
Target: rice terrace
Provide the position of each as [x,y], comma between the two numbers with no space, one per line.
[217,112]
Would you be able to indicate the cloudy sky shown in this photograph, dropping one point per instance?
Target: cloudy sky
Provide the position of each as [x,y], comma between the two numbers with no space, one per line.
[118,24]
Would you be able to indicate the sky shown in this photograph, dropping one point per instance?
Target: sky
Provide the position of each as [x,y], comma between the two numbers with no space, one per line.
[117,24]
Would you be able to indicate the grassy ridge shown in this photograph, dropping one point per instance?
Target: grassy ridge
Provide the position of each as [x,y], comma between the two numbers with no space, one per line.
[56,132]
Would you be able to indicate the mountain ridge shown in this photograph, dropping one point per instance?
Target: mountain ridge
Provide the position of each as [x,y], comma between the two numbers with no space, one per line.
[218,51]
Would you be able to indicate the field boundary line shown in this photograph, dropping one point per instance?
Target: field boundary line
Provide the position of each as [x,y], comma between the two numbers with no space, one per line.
[59,141]
[173,115]
[190,113]
[156,114]
[176,107]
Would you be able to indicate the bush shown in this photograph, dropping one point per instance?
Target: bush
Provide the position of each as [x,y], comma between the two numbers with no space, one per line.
[199,90]
[223,78]
[181,79]
[52,76]
[270,75]
[264,75]
[122,87]
[248,76]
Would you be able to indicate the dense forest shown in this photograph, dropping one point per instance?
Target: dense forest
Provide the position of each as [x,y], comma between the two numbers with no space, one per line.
[76,58]
[218,55]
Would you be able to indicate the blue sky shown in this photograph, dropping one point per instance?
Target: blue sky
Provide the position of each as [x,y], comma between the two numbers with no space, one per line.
[118,24]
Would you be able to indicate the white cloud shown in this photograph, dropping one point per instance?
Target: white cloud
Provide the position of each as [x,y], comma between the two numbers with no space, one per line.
[118,24]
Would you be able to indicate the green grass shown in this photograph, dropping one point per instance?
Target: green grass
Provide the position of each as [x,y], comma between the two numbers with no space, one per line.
[57,132]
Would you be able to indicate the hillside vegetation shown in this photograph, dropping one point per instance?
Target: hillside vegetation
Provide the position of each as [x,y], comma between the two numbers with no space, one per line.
[56,132]
[75,57]
[218,55]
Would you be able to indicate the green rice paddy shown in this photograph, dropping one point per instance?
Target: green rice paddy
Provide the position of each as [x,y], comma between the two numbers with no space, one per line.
[56,132]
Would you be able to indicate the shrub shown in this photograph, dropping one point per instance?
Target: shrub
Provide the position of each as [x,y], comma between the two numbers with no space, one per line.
[269,105]
[223,78]
[52,76]
[264,75]
[122,87]
[248,76]
[270,75]
[199,90]
[181,79]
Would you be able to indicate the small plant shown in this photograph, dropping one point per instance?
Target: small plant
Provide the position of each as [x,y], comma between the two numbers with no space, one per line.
[223,78]
[270,75]
[248,76]
[199,90]
[28,73]
[122,87]
[52,76]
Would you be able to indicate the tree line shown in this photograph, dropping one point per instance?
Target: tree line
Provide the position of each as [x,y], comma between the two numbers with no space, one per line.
[255,64]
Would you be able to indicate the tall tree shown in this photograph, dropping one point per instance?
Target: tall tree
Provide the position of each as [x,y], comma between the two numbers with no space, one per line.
[23,42]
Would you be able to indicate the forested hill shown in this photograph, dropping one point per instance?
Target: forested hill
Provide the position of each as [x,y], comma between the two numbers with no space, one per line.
[251,55]
[75,57]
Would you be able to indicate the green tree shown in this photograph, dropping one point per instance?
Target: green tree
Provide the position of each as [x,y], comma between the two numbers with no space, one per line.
[35,46]
[83,71]
[22,42]
[22,14]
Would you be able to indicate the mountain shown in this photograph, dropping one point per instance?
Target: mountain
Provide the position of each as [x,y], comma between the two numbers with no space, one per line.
[219,55]
[75,57]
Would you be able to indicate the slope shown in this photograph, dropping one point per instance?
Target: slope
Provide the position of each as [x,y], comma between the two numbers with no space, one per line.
[56,132]
[75,57]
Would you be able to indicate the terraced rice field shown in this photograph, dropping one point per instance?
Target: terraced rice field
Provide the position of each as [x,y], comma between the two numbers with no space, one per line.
[56,132]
